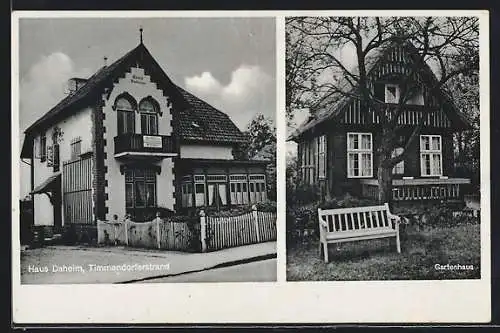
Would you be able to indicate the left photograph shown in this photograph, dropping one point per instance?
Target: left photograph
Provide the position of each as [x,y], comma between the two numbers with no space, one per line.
[147,150]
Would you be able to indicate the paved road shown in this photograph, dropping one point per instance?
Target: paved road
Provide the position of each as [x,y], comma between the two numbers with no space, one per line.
[123,264]
[259,271]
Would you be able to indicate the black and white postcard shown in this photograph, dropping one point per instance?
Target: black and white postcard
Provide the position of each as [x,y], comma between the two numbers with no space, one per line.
[250,167]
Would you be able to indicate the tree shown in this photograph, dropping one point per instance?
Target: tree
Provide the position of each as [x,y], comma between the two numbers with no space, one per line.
[317,74]
[261,145]
[465,92]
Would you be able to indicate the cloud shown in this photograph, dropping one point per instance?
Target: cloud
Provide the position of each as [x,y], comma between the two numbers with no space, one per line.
[250,91]
[44,85]
[204,83]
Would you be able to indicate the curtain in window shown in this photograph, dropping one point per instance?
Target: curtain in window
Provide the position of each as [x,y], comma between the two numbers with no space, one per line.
[222,193]
[436,143]
[140,198]
[366,164]
[129,195]
[366,142]
[436,164]
[211,194]
[150,195]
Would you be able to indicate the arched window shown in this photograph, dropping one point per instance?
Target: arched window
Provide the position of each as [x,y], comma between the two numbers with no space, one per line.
[149,116]
[125,108]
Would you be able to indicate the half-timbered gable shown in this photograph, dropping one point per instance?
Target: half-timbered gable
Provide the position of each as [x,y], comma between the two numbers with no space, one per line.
[349,132]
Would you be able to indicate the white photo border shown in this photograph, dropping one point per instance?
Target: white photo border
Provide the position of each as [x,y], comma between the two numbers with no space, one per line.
[457,301]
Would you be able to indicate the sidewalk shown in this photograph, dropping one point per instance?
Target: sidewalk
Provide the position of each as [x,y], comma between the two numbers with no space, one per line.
[128,263]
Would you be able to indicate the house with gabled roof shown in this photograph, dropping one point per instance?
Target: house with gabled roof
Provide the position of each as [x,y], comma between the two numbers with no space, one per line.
[128,140]
[337,144]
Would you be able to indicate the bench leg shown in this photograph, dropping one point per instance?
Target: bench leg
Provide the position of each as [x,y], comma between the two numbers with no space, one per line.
[325,251]
[398,243]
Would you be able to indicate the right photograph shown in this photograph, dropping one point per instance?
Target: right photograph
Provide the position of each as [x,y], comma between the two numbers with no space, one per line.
[383,148]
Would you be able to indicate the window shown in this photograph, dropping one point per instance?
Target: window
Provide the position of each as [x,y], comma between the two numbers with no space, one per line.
[257,188]
[359,155]
[200,190]
[322,156]
[43,148]
[149,117]
[140,188]
[399,169]
[238,189]
[126,116]
[392,93]
[308,161]
[430,155]
[76,148]
[217,190]
[187,197]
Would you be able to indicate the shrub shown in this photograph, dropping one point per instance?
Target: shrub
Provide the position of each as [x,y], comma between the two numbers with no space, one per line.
[302,194]
[149,214]
[268,206]
[432,216]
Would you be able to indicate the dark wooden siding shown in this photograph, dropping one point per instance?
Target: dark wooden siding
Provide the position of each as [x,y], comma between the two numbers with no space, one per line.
[339,167]
[412,160]
[447,154]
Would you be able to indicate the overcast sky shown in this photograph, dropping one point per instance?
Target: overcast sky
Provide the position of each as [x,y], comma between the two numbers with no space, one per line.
[229,62]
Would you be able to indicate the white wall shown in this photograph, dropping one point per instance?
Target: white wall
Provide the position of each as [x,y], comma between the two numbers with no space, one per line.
[79,124]
[206,151]
[116,181]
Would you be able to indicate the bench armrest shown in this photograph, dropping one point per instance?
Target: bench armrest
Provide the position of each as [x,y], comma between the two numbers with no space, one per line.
[391,216]
[396,218]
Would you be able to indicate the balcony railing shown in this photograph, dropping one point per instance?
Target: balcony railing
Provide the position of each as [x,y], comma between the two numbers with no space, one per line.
[418,189]
[132,144]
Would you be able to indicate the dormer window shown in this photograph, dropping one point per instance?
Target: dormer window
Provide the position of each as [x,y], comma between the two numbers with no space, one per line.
[392,93]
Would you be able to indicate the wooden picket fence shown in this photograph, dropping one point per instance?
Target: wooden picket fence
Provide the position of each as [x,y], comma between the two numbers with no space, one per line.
[159,233]
[203,233]
[230,231]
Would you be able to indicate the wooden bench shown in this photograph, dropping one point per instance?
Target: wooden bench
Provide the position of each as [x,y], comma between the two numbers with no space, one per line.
[358,223]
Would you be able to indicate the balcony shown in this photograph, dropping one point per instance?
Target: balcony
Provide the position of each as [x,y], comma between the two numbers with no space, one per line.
[140,146]
[419,189]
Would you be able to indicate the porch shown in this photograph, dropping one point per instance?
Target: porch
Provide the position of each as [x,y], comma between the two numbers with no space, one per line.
[413,189]
[220,184]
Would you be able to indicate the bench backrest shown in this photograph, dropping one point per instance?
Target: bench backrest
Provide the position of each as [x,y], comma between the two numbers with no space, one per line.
[356,218]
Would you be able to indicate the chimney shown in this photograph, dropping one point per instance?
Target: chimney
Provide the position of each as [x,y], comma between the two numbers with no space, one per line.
[105,61]
[75,83]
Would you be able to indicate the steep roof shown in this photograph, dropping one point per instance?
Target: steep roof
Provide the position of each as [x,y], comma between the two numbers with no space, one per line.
[334,105]
[214,125]
[202,122]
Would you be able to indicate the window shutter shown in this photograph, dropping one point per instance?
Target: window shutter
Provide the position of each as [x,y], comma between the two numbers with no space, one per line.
[49,156]
[56,157]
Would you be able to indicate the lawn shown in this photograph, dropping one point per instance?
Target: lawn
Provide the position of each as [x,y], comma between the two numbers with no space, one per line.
[379,260]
